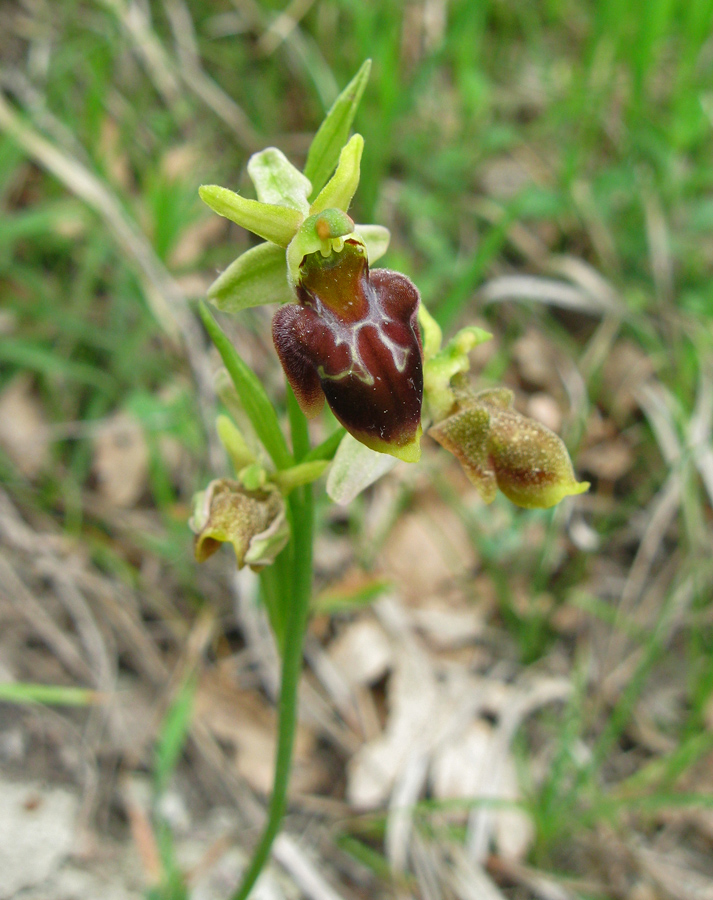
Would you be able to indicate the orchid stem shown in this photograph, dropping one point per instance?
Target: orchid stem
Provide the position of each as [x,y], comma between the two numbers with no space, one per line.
[295,595]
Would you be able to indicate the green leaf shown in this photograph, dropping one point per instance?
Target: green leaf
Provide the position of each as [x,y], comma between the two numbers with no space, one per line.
[334,130]
[251,392]
[341,187]
[174,731]
[355,467]
[272,222]
[376,238]
[49,694]
[277,181]
[257,277]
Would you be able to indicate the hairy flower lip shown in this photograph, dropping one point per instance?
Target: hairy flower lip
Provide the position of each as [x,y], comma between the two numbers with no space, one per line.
[353,338]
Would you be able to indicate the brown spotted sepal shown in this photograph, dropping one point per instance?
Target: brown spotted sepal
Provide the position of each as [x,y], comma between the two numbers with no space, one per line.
[353,338]
[501,449]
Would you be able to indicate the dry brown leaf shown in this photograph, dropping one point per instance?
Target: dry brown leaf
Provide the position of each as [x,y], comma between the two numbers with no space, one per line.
[609,460]
[514,829]
[536,361]
[121,460]
[244,720]
[413,711]
[544,408]
[361,652]
[462,769]
[426,551]
[448,626]
[113,155]
[626,368]
[23,430]
[194,241]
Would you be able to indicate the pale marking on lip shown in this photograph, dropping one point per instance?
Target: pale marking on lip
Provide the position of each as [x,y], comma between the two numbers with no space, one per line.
[349,335]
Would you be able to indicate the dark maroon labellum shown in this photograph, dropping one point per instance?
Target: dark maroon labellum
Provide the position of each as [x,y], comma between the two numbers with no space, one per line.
[354,339]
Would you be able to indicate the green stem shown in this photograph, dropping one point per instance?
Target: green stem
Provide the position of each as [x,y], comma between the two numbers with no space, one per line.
[296,595]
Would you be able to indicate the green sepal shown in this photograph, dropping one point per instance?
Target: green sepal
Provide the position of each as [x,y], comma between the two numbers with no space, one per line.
[278,182]
[431,332]
[257,277]
[268,220]
[252,394]
[304,473]
[235,444]
[376,238]
[341,187]
[334,130]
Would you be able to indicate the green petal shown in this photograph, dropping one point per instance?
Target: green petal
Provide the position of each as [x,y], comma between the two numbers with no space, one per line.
[376,238]
[278,182]
[270,221]
[354,468]
[334,223]
[332,134]
[341,187]
[257,277]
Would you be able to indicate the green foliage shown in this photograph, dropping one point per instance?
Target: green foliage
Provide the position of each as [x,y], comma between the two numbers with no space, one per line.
[173,734]
[252,394]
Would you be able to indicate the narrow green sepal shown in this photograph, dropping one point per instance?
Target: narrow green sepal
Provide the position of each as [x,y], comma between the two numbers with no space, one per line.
[235,444]
[278,182]
[257,277]
[341,187]
[334,130]
[268,220]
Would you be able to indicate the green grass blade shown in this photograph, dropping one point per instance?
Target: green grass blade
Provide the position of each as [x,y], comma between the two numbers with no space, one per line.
[251,392]
[174,731]
[45,361]
[333,132]
[49,694]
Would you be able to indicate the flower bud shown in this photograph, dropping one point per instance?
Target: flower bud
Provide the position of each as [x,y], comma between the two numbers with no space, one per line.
[500,448]
[253,522]
[353,338]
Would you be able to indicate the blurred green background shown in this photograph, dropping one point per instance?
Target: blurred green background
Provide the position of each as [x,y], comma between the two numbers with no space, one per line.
[545,169]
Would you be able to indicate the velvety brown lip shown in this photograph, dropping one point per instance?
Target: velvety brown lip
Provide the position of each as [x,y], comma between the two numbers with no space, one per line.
[354,339]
